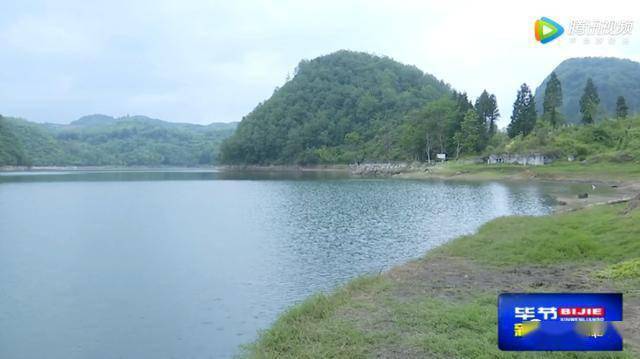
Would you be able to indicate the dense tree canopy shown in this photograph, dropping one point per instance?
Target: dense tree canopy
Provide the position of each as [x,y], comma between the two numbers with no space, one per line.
[343,107]
[100,140]
[11,152]
[427,130]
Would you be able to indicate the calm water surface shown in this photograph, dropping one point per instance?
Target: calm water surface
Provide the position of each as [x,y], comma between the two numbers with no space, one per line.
[191,264]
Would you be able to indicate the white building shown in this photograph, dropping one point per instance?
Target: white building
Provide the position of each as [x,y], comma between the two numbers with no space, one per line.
[535,159]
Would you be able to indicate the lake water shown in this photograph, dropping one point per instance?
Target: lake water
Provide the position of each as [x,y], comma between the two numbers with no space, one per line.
[190,264]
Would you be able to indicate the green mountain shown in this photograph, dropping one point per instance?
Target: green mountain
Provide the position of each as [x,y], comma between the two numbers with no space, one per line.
[99,140]
[335,106]
[613,77]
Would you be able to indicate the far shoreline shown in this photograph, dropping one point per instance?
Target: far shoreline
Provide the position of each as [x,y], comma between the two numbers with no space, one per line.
[622,179]
[455,170]
[11,169]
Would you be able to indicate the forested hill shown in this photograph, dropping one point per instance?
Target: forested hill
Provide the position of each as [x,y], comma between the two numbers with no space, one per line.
[342,107]
[612,77]
[100,140]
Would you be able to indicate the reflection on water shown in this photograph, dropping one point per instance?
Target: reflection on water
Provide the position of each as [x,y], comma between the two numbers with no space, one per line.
[191,263]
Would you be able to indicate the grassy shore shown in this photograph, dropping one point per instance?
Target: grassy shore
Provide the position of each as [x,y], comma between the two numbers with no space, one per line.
[572,171]
[444,305]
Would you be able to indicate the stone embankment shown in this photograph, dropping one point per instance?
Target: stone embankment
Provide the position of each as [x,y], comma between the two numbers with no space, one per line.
[387,169]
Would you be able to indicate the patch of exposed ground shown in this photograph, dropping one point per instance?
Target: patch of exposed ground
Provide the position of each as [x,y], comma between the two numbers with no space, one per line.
[620,192]
[454,278]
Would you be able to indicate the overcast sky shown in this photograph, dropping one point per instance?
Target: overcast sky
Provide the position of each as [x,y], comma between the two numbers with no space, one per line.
[208,61]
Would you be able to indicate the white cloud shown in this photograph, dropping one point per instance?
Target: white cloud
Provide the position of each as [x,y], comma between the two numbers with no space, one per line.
[203,61]
[39,36]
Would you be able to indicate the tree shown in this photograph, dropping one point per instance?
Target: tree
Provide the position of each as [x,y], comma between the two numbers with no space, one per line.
[523,119]
[471,130]
[457,139]
[461,106]
[589,102]
[435,128]
[622,110]
[552,100]
[426,131]
[428,140]
[487,108]
[353,142]
[462,102]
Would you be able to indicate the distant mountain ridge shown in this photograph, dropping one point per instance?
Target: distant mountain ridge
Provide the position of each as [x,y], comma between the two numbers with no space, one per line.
[612,76]
[101,140]
[103,120]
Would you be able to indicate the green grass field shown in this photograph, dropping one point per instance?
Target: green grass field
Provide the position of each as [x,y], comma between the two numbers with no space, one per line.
[605,171]
[599,234]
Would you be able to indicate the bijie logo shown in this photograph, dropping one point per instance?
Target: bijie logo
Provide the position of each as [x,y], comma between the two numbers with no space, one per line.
[547,30]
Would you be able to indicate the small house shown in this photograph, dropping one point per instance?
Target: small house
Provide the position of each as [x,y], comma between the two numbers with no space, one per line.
[534,159]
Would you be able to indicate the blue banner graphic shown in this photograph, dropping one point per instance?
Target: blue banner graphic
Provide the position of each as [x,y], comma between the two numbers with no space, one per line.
[559,321]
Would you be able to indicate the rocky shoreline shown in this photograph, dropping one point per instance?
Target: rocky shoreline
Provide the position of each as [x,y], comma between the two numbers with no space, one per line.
[362,169]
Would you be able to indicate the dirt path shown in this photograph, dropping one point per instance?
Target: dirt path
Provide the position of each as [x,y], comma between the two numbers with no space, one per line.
[456,278]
